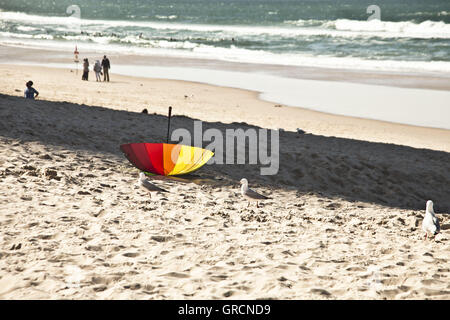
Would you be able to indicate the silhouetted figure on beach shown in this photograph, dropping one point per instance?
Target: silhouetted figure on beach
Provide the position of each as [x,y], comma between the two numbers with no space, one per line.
[85,70]
[106,66]
[30,92]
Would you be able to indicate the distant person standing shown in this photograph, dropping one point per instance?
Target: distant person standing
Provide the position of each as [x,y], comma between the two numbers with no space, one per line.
[85,70]
[30,92]
[106,66]
[98,70]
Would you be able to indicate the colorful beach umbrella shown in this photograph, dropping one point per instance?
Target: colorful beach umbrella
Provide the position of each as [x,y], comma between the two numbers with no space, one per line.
[164,158]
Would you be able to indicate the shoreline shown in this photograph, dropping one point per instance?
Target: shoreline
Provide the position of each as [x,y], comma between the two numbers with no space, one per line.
[211,103]
[426,80]
[397,98]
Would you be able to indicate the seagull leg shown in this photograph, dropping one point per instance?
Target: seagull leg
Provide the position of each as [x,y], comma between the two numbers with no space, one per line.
[248,204]
[257,205]
[148,201]
[426,234]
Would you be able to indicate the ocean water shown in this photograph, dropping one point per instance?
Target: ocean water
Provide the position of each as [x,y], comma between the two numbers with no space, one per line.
[407,35]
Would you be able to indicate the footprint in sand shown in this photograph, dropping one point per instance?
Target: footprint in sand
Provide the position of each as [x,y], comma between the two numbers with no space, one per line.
[94,248]
[389,293]
[433,292]
[176,275]
[134,286]
[321,292]
[100,288]
[429,282]
[161,238]
[46,236]
[131,254]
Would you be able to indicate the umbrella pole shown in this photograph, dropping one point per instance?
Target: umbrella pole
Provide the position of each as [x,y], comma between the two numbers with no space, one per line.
[168,125]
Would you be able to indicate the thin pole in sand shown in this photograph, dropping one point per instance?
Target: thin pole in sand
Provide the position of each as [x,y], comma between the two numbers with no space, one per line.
[76,53]
[168,125]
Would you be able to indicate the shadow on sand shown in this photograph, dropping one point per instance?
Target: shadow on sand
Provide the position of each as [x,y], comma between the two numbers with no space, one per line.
[386,174]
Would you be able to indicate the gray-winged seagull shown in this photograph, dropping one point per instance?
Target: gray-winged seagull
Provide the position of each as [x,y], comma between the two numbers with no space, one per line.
[430,223]
[249,194]
[144,184]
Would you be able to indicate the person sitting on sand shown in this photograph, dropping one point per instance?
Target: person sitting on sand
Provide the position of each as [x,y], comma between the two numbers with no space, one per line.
[98,70]
[30,91]
[106,66]
[85,70]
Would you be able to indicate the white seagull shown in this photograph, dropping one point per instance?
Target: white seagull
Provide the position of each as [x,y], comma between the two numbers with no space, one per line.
[249,194]
[430,223]
[144,184]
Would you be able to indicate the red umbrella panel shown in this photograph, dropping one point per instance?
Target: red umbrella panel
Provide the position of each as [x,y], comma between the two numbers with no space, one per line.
[166,159]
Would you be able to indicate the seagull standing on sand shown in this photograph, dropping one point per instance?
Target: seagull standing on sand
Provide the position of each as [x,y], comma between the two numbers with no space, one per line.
[144,184]
[430,223]
[249,194]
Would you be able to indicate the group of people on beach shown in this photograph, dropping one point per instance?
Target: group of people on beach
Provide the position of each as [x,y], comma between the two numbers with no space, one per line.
[99,69]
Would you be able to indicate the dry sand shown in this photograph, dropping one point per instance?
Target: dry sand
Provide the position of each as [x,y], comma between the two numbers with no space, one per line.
[343,222]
